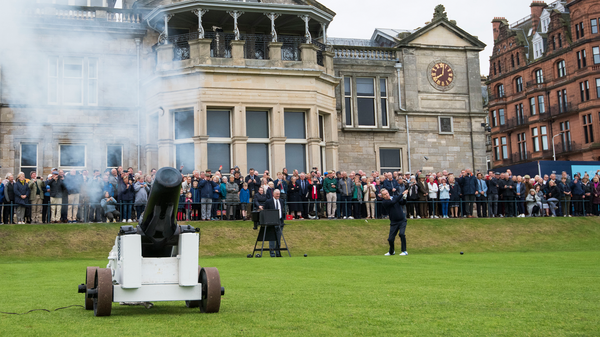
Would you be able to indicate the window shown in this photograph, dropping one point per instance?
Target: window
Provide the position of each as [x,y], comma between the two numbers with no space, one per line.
[559,40]
[183,122]
[348,99]
[594,26]
[539,76]
[73,81]
[501,113]
[532,106]
[581,31]
[494,118]
[496,150]
[585,91]
[598,88]
[445,124]
[295,147]
[522,146]
[365,98]
[554,43]
[114,156]
[494,68]
[596,54]
[544,134]
[562,100]
[519,84]
[560,67]
[518,62]
[520,114]
[578,60]
[504,148]
[588,133]
[512,60]
[565,136]
[499,67]
[184,155]
[52,81]
[535,139]
[390,160]
[183,125]
[92,82]
[541,105]
[500,90]
[218,126]
[257,148]
[29,159]
[383,97]
[583,59]
[576,30]
[71,155]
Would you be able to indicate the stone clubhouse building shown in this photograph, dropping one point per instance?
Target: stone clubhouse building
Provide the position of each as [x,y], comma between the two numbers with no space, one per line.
[204,83]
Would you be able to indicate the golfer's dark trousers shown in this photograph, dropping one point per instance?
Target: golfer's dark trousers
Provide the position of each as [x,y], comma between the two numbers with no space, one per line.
[577,202]
[276,244]
[509,206]
[482,206]
[468,209]
[346,205]
[397,228]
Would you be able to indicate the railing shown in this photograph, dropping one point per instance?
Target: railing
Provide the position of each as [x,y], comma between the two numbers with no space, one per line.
[561,109]
[290,51]
[518,22]
[257,46]
[83,13]
[520,156]
[181,46]
[220,46]
[567,147]
[321,48]
[514,122]
[364,53]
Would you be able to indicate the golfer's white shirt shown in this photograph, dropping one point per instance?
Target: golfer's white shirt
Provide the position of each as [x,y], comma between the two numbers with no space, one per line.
[277,206]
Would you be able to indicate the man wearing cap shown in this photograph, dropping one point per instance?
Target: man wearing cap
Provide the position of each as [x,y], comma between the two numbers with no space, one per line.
[330,188]
[393,206]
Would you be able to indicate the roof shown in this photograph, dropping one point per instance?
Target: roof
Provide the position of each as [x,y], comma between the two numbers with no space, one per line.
[450,25]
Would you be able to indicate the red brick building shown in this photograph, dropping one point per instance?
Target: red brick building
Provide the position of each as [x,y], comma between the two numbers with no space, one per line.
[544,84]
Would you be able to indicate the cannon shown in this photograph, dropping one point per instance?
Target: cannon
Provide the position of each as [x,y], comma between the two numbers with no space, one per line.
[155,261]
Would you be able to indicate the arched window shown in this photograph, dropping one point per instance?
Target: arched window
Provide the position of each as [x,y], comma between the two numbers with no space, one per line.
[512,60]
[518,62]
[561,68]
[500,90]
[519,84]
[538,74]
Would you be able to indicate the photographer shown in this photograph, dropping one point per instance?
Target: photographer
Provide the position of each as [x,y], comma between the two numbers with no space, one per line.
[57,189]
[36,196]
[108,204]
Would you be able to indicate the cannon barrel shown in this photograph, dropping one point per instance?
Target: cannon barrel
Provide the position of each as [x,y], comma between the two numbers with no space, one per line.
[158,224]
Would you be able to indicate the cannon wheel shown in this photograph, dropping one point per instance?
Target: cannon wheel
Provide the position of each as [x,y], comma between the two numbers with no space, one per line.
[211,290]
[194,304]
[90,274]
[103,282]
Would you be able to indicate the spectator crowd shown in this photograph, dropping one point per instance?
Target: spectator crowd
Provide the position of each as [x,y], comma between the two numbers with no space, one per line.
[118,195]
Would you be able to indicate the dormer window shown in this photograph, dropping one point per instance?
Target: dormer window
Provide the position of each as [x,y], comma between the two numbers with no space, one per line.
[538,46]
[545,24]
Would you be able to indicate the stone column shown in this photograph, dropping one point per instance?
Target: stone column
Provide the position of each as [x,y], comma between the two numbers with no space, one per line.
[166,153]
[314,152]
[312,127]
[275,53]
[237,52]
[165,54]
[309,55]
[238,137]
[151,157]
[331,154]
[277,153]
[200,152]
[328,62]
[200,51]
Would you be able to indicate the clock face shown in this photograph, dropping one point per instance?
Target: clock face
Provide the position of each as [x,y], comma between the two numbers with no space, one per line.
[441,74]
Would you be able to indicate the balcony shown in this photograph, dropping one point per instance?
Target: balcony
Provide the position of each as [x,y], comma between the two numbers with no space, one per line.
[52,14]
[514,123]
[257,50]
[520,157]
[566,148]
[561,109]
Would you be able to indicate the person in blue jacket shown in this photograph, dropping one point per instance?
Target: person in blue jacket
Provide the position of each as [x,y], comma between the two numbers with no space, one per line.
[245,199]
[206,187]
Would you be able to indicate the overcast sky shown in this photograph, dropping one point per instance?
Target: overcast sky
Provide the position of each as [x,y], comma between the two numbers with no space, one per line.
[358,18]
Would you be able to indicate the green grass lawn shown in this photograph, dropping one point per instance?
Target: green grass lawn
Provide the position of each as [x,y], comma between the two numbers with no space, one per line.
[518,277]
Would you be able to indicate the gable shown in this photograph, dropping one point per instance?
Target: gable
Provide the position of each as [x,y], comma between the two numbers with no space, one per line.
[441,36]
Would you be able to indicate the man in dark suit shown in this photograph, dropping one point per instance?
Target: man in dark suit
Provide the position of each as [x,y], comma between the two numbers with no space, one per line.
[393,206]
[304,189]
[275,203]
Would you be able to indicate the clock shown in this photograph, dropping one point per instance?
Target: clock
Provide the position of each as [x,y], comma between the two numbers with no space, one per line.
[441,75]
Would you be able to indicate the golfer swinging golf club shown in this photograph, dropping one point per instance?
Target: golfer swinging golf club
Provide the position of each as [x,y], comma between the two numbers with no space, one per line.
[393,205]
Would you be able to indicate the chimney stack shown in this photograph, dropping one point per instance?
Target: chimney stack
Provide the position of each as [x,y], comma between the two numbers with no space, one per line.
[536,11]
[496,23]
